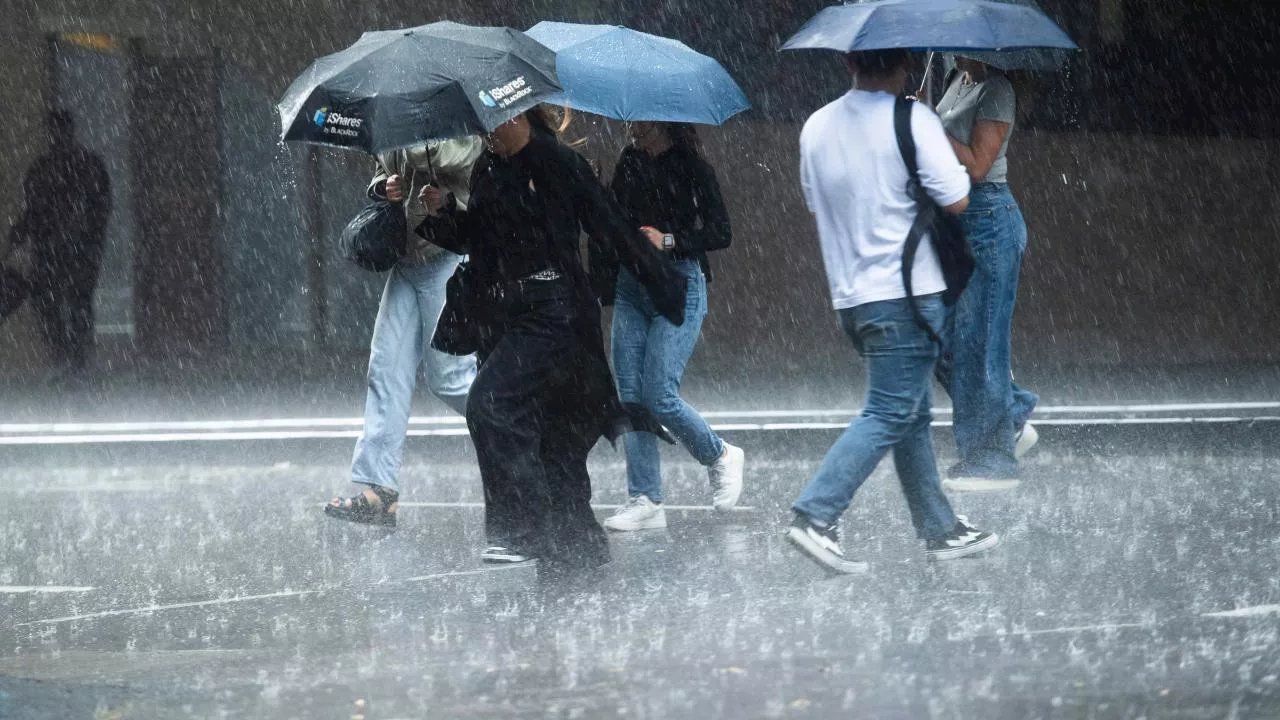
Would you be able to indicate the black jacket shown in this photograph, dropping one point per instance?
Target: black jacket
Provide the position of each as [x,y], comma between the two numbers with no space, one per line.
[526,215]
[676,192]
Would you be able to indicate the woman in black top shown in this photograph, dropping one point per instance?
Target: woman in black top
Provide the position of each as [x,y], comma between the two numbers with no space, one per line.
[544,394]
[670,191]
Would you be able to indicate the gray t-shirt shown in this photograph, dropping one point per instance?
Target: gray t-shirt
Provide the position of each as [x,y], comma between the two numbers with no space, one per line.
[963,105]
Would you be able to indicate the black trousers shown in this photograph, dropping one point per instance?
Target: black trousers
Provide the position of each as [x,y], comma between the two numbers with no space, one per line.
[62,298]
[529,416]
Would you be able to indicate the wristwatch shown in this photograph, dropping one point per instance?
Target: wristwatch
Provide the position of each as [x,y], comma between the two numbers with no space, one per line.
[668,241]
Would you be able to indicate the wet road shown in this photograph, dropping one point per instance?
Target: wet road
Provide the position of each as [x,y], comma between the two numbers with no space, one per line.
[1139,577]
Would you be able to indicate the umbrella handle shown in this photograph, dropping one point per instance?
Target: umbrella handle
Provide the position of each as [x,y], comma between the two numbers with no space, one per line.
[928,68]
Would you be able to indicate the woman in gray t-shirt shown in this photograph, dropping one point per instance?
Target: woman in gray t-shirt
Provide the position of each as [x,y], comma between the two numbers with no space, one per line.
[990,412]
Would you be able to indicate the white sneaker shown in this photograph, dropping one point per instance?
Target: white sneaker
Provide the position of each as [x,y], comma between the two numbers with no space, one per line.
[726,477]
[1026,439]
[640,513]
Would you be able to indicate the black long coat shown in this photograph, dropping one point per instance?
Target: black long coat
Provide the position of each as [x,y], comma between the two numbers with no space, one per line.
[527,213]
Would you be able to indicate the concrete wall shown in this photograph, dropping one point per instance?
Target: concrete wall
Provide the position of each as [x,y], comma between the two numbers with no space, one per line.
[1143,248]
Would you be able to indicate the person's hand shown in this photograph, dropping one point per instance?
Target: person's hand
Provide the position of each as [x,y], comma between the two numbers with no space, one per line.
[433,198]
[395,188]
[654,236]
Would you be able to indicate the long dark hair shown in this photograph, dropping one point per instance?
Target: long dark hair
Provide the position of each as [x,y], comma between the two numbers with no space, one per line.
[685,137]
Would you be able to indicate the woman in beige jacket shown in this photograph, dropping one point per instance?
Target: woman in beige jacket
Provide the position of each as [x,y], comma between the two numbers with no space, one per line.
[411,305]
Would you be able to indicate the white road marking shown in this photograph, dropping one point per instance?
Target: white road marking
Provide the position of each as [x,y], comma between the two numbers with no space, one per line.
[94,428]
[464,573]
[1070,630]
[594,506]
[453,426]
[41,589]
[1247,612]
[175,606]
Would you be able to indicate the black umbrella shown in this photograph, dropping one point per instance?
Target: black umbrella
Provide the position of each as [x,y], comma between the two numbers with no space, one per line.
[398,88]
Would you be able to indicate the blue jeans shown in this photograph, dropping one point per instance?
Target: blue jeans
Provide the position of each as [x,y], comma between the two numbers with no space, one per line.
[649,358]
[899,357]
[976,367]
[411,305]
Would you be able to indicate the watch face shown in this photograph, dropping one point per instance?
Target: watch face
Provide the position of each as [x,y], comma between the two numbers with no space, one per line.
[668,241]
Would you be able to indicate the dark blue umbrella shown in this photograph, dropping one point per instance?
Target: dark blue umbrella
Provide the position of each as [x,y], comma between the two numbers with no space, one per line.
[1028,59]
[942,25]
[398,88]
[629,75]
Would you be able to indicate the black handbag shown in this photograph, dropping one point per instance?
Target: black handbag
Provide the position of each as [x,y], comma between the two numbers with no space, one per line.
[459,331]
[376,237]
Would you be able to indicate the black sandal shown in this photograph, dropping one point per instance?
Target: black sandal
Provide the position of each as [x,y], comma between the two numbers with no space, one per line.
[358,509]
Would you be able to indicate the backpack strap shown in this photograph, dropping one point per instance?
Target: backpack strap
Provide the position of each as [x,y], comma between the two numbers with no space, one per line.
[926,210]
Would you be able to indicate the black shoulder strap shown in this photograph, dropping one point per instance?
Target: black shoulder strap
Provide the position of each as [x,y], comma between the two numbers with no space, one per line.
[925,210]
[906,141]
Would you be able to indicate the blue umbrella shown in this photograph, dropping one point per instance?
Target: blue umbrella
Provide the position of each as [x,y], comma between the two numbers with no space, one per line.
[942,25]
[629,75]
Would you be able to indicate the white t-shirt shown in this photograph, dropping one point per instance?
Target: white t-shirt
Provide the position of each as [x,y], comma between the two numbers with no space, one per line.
[855,183]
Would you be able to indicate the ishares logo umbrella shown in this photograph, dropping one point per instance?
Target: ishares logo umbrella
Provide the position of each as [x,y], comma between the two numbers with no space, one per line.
[399,88]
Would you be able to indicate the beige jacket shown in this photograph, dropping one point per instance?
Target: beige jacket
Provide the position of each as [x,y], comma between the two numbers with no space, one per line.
[446,162]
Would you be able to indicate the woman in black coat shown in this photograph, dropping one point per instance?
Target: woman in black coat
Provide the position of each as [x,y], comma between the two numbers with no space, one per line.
[544,394]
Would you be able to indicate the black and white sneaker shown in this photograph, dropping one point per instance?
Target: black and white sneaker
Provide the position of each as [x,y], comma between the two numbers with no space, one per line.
[964,540]
[504,555]
[822,545]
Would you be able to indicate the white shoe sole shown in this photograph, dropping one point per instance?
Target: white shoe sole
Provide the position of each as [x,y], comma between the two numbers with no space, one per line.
[1026,441]
[826,559]
[978,484]
[956,553]
[508,558]
[657,522]
[731,490]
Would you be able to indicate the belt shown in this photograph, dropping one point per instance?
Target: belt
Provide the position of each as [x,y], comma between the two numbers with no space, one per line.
[540,286]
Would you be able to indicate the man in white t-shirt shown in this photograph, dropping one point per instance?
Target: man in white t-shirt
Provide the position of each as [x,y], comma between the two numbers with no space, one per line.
[856,184]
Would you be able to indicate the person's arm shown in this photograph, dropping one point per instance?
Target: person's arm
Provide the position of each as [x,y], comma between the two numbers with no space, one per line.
[99,199]
[981,153]
[378,184]
[941,174]
[607,226]
[997,109]
[446,225]
[715,231]
[22,229]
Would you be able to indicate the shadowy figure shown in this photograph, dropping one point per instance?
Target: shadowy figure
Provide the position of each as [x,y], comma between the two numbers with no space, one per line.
[66,205]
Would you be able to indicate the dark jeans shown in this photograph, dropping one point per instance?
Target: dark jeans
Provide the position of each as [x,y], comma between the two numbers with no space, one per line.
[976,367]
[62,299]
[532,439]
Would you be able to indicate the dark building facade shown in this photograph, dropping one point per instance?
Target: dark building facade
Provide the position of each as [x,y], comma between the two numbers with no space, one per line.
[1147,170]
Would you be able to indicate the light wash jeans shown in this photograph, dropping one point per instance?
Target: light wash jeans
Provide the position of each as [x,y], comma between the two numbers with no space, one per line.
[899,358]
[411,305]
[649,358]
[975,367]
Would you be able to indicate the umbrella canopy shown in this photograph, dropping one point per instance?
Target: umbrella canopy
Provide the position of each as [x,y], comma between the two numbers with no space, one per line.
[399,88]
[943,25]
[629,75]
[1030,59]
